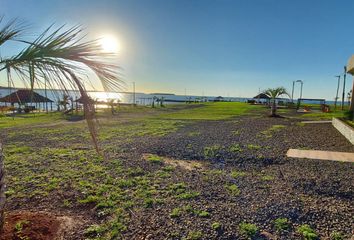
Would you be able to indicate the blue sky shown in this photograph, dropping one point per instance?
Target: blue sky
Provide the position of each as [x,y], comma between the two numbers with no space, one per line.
[225,47]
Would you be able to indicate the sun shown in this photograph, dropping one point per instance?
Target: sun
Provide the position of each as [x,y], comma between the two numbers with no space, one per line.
[110,44]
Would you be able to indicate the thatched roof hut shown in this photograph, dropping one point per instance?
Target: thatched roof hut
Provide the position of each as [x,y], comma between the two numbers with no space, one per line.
[25,96]
[262,96]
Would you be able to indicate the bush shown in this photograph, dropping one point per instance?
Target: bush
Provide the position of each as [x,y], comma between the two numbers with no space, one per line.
[307,232]
[248,229]
[281,224]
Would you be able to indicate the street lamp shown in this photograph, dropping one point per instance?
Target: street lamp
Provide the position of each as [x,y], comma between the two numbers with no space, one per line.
[302,83]
[335,100]
[292,91]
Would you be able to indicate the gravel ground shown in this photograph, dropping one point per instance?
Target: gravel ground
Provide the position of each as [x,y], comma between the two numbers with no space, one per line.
[314,192]
[271,186]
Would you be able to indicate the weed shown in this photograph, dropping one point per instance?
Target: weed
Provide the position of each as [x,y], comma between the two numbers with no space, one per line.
[216,226]
[176,212]
[267,178]
[236,132]
[336,236]
[307,232]
[236,174]
[281,224]
[253,147]
[194,236]
[233,189]
[269,132]
[248,229]
[212,151]
[188,195]
[203,214]
[154,159]
[235,148]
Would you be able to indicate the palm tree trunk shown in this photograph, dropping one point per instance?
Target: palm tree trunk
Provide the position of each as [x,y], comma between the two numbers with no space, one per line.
[273,108]
[2,190]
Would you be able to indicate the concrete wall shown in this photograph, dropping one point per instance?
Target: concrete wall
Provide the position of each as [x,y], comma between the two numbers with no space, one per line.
[346,130]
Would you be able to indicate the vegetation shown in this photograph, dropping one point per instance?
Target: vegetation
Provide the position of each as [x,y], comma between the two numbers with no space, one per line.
[216,226]
[248,229]
[61,59]
[212,111]
[274,93]
[233,189]
[281,224]
[307,232]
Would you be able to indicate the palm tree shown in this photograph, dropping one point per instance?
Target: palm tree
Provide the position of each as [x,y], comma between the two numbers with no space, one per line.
[60,59]
[274,93]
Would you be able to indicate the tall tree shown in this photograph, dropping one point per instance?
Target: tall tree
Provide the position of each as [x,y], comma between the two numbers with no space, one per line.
[60,58]
[274,93]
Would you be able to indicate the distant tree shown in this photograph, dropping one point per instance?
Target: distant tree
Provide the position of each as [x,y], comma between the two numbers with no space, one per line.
[274,93]
[59,58]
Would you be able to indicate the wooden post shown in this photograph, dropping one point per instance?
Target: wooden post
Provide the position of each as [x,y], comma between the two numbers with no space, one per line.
[2,190]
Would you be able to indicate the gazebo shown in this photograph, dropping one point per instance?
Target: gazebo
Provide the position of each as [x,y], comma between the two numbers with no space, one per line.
[26,97]
[262,96]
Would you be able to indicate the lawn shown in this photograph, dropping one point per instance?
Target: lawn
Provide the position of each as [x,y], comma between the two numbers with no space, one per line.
[212,111]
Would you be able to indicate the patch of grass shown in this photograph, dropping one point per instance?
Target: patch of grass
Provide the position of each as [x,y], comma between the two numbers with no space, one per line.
[235,148]
[248,229]
[212,111]
[188,195]
[155,159]
[300,124]
[307,232]
[203,214]
[194,235]
[176,212]
[269,132]
[216,226]
[337,236]
[212,151]
[253,147]
[281,224]
[267,178]
[326,116]
[30,119]
[233,189]
[236,132]
[236,174]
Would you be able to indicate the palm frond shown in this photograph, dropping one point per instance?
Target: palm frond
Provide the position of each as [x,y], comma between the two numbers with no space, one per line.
[10,31]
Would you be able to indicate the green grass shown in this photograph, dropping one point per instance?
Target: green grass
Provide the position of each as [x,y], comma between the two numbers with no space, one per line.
[307,232]
[281,224]
[233,189]
[269,132]
[30,119]
[326,116]
[248,229]
[212,111]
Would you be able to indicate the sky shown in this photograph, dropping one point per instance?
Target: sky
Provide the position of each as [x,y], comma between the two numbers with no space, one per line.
[203,47]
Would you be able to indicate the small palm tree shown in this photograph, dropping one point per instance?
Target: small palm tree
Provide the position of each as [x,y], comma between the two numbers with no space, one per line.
[274,93]
[59,59]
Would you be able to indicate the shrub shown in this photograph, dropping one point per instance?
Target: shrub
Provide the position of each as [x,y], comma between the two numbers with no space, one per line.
[233,189]
[281,224]
[307,232]
[236,174]
[176,212]
[216,226]
[336,236]
[248,229]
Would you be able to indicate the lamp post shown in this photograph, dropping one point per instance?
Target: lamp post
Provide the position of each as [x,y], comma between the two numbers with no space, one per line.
[302,83]
[344,77]
[335,100]
[299,101]
[292,93]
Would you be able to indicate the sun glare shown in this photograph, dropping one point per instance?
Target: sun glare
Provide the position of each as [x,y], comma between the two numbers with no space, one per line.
[110,44]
